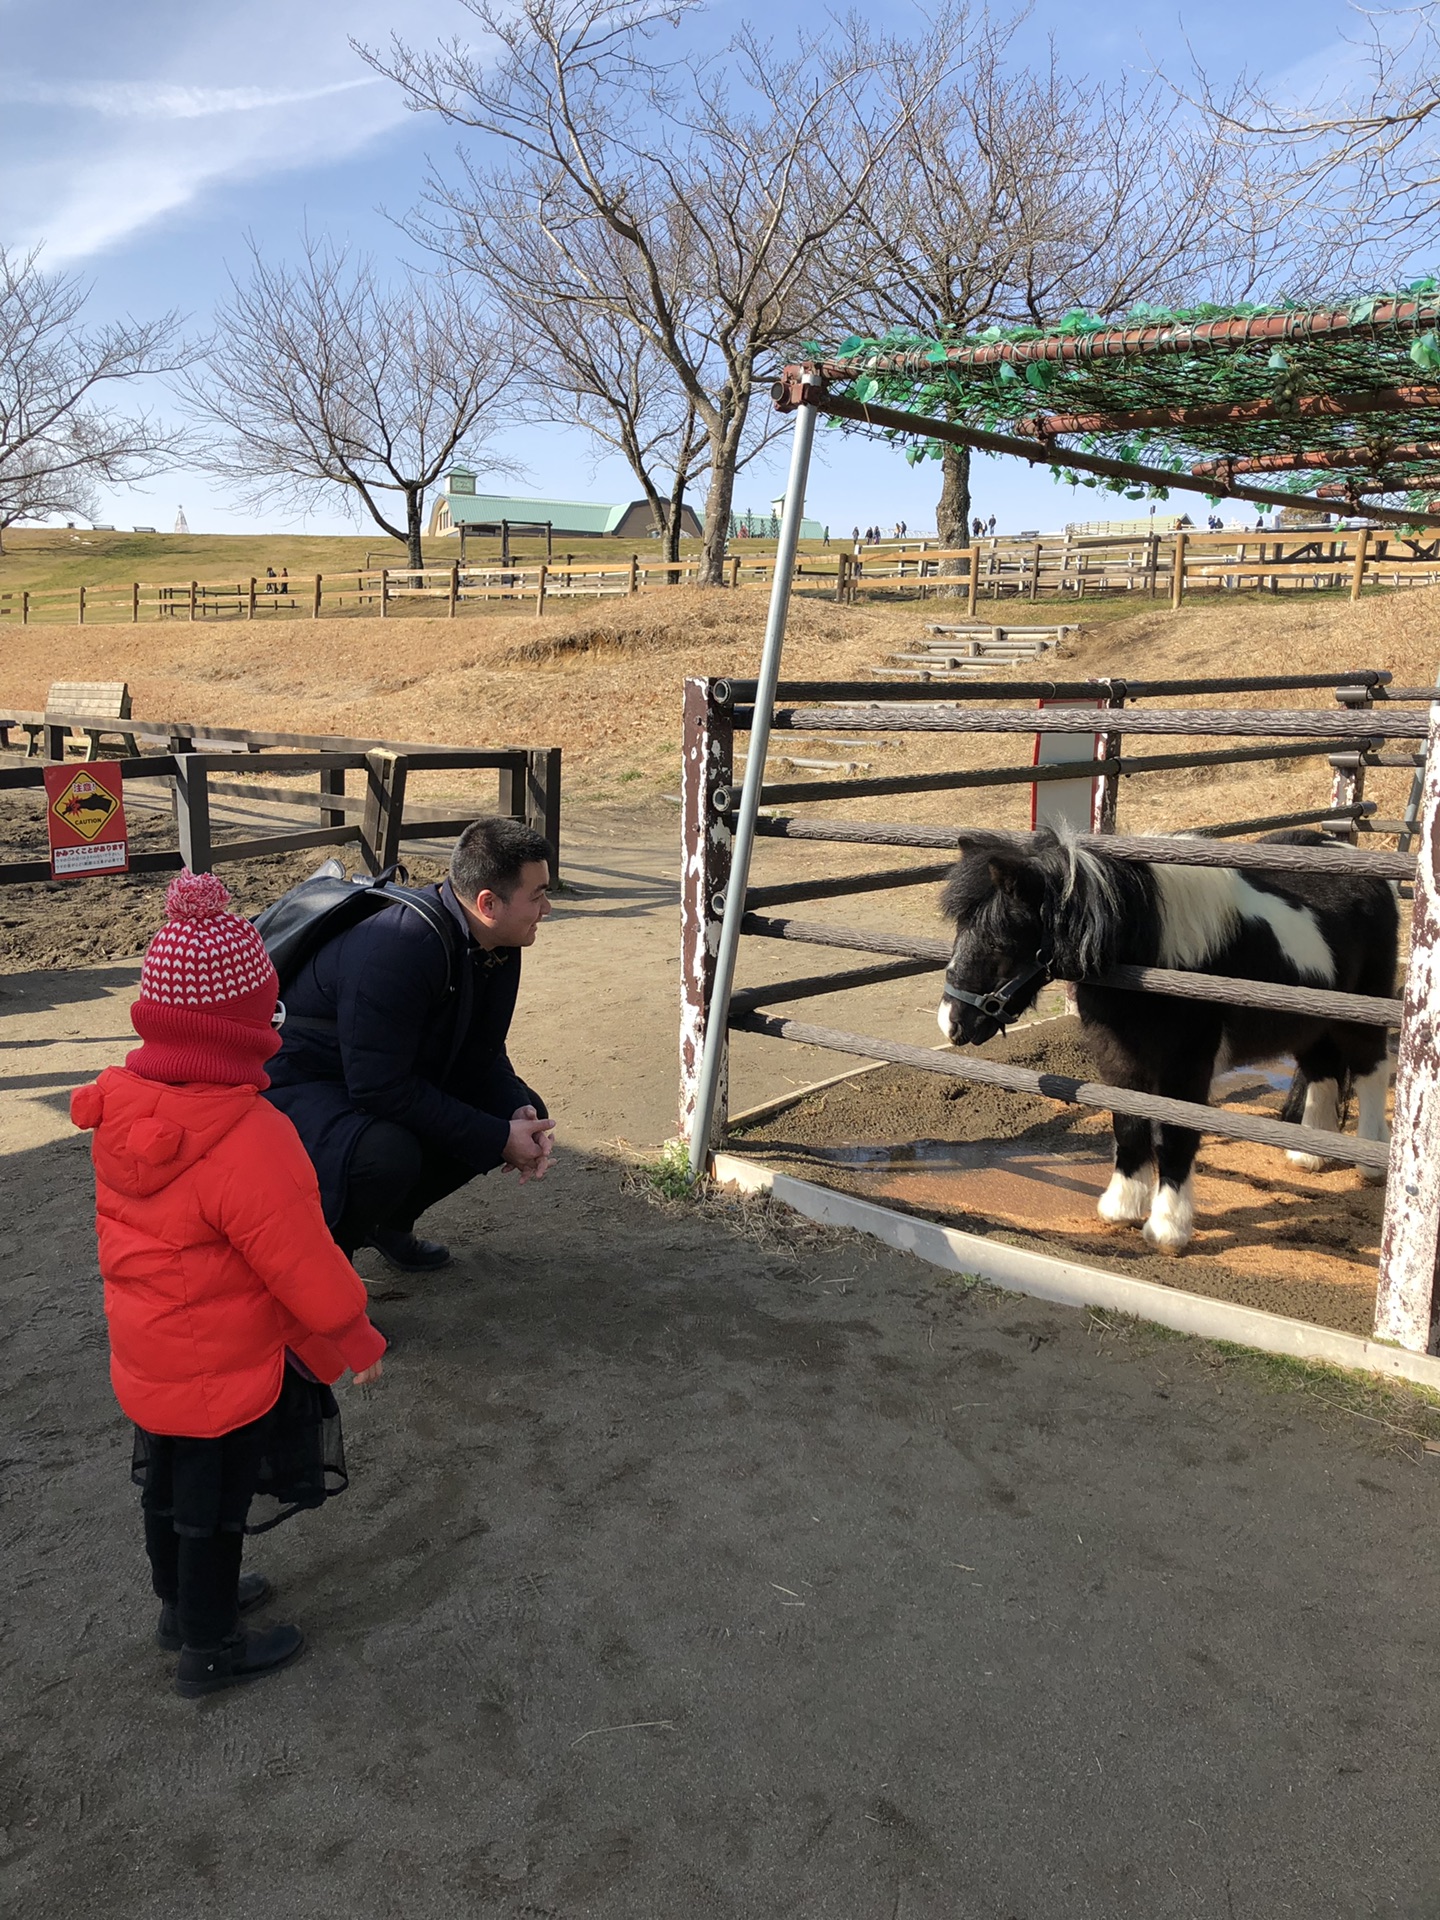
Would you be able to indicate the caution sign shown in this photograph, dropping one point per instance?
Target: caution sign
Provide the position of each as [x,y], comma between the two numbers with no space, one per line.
[85,813]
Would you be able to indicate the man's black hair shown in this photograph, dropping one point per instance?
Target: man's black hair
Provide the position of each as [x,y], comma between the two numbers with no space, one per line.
[489,854]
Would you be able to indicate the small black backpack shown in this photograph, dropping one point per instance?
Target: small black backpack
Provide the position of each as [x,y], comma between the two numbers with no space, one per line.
[327,904]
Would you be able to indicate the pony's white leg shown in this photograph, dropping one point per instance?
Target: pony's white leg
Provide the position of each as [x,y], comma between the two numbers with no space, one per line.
[1370,1091]
[1322,1110]
[1126,1201]
[1171,1225]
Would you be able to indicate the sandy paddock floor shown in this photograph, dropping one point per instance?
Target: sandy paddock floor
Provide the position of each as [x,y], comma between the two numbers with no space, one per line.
[1269,1235]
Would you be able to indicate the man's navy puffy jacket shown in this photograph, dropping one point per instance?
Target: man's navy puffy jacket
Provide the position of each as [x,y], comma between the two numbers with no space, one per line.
[402,1048]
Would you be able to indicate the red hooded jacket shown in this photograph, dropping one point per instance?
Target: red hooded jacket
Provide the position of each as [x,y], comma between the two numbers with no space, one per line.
[215,1254]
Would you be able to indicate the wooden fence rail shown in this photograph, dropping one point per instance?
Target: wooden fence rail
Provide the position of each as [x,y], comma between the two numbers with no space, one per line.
[529,790]
[993,567]
[1086,1093]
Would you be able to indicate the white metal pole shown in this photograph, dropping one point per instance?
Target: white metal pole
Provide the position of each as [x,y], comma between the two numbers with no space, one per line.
[717,1019]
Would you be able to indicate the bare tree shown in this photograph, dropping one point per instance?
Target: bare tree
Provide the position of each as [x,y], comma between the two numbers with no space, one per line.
[590,366]
[328,383]
[59,437]
[1356,159]
[1015,192]
[712,187]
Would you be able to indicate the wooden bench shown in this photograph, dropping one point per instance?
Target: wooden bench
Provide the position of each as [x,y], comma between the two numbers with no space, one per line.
[74,701]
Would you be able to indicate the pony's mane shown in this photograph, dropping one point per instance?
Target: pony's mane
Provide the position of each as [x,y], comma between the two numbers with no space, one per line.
[1091,905]
[1087,893]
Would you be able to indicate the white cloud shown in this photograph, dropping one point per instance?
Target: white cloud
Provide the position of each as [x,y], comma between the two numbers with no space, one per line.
[140,100]
[136,126]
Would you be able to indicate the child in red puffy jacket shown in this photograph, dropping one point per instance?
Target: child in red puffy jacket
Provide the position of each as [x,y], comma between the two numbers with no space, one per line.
[230,1307]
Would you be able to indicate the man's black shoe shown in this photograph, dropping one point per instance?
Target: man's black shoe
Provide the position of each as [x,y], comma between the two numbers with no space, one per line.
[254,1591]
[244,1656]
[409,1255]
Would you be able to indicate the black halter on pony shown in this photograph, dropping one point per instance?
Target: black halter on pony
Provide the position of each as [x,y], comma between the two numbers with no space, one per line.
[999,1006]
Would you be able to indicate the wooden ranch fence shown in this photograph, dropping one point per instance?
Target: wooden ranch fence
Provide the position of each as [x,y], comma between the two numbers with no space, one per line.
[198,763]
[1370,723]
[1169,566]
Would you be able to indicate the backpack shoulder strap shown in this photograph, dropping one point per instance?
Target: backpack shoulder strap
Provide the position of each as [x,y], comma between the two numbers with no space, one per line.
[435,916]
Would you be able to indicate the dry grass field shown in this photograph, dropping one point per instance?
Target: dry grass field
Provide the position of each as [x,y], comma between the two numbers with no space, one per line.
[603,681]
[39,559]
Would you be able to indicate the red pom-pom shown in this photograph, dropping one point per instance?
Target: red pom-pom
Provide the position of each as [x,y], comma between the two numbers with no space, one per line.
[195,896]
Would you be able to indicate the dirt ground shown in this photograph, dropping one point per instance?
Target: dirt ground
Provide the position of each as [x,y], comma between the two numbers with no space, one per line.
[1268,1235]
[698,1561]
[61,923]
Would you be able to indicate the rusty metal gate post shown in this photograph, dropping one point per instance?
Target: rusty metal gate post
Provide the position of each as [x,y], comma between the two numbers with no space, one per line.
[1410,1238]
[1347,770]
[707,842]
[1107,785]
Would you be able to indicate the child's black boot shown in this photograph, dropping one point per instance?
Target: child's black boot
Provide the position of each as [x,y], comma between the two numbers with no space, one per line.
[246,1655]
[254,1590]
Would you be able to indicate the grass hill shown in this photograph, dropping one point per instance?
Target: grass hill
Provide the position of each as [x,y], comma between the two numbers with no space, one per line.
[37,559]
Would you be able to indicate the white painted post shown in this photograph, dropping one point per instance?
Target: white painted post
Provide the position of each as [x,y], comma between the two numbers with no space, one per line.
[713,1062]
[1410,1238]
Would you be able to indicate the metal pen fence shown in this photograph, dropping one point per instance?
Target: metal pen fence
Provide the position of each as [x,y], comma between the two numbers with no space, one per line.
[1371,719]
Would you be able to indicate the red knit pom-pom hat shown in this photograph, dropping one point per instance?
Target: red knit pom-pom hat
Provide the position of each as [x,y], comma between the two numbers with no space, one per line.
[208,993]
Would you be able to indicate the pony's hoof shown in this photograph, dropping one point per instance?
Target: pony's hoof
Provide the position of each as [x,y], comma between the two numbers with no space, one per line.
[1171,1225]
[1166,1238]
[1310,1162]
[1372,1176]
[1126,1201]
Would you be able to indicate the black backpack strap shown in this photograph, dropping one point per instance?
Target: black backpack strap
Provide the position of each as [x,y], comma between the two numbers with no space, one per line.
[435,917]
[459,981]
[456,974]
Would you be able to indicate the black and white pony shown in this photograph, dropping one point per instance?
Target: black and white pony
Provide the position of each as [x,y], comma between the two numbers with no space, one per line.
[1028,908]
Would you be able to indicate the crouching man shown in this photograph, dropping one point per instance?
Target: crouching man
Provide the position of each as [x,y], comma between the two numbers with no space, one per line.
[393,1067]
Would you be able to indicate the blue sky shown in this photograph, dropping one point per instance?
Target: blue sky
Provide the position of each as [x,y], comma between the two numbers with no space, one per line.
[143,141]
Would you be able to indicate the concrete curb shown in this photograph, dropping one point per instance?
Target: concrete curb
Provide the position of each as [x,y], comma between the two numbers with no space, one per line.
[1067,1283]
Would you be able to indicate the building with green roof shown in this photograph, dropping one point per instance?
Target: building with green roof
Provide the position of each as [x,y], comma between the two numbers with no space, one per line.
[459,507]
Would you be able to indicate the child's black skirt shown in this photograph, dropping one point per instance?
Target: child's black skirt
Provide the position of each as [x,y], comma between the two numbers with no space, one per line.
[290,1459]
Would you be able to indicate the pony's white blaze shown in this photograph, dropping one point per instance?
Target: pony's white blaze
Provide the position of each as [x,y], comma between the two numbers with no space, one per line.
[1200,913]
[1322,1111]
[944,1013]
[1171,1225]
[1126,1201]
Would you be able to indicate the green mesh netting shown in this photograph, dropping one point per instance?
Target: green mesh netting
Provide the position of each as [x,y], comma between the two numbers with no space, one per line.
[1194,357]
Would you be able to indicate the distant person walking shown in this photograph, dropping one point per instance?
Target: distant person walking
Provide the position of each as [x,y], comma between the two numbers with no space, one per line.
[270,576]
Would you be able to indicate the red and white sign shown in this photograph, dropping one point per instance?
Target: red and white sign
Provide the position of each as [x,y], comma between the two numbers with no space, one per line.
[85,812]
[1065,803]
